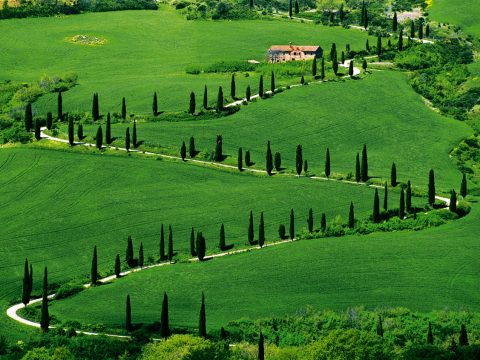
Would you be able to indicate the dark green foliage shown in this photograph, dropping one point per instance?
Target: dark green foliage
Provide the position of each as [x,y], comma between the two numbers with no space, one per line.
[191,107]
[26,284]
[124,109]
[376,207]
[380,327]
[108,130]
[248,93]
[427,30]
[170,243]
[463,338]
[412,29]
[183,151]
[272,83]
[251,7]
[128,315]
[323,223]
[333,52]
[291,229]
[322,75]
[80,132]
[350,68]
[310,220]
[71,132]
[221,243]
[155,104]
[341,13]
[94,269]
[351,216]
[431,187]
[453,201]
[261,347]
[358,175]
[162,244]
[201,246]
[192,243]
[99,138]
[127,139]
[240,159]
[364,167]
[282,231]
[408,197]
[95,108]
[45,316]
[305,166]
[129,252]
[401,207]
[37,130]
[342,58]
[219,148]
[420,31]
[430,334]
[290,8]
[250,229]
[278,161]
[335,66]
[379,47]
[463,186]
[269,159]
[260,85]
[202,322]
[400,39]
[299,160]
[365,24]
[261,231]
[118,266]
[393,175]
[59,106]
[395,22]
[314,67]
[297,8]
[385,197]
[247,158]
[191,148]
[28,117]
[302,80]
[233,88]
[141,258]
[364,65]
[134,135]
[205,97]
[164,321]
[367,46]
[220,99]
[49,120]
[327,163]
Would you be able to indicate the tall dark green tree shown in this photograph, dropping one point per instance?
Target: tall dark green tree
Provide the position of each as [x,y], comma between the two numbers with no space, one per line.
[80,132]
[240,159]
[427,30]
[108,130]
[327,163]
[463,186]
[141,258]
[400,39]
[155,104]
[350,68]
[395,22]
[362,18]
[201,246]
[380,327]
[94,270]
[364,65]
[221,242]
[45,316]
[367,46]
[408,197]
[297,8]
[118,266]
[291,229]
[170,243]
[183,151]
[261,231]
[277,160]
[134,135]
[358,174]
[251,4]
[341,13]
[95,108]
[59,106]
[261,348]
[412,29]
[26,284]
[453,201]
[250,229]
[202,321]
[191,107]
[129,252]
[38,135]
[431,187]
[49,120]
[290,12]
[430,334]
[393,175]
[124,109]
[401,208]
[248,93]
[220,99]
[191,148]
[342,58]
[99,138]
[323,223]
[164,320]
[364,167]
[28,117]
[310,220]
[299,160]
[335,66]
[269,159]
[322,74]
[128,315]
[420,31]
[376,207]
[463,338]
[71,132]
[260,85]
[127,139]
[333,52]
[365,24]
[233,88]
[379,47]
[219,148]
[385,197]
[302,80]
[272,83]
[351,216]
[193,252]
[163,257]
[205,98]
[248,161]
[314,66]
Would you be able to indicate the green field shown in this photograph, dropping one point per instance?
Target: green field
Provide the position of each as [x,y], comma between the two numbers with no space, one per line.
[457,12]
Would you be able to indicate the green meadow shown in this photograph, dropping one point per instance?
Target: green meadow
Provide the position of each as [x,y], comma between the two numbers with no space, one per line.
[457,12]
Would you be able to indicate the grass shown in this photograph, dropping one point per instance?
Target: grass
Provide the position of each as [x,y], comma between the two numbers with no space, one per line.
[138,60]
[457,12]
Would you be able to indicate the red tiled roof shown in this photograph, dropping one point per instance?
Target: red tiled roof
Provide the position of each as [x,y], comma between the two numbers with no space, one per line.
[294,47]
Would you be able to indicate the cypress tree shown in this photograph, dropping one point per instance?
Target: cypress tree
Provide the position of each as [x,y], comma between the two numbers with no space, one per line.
[358,174]
[220,99]
[281,231]
[261,345]
[351,217]
[261,231]
[350,68]
[260,85]
[127,139]
[453,201]
[240,159]
[314,66]
[463,186]
[291,229]
[251,4]
[191,107]
[272,83]
[99,138]
[128,315]
[364,65]
[28,117]
[155,104]
[80,132]
[141,258]
[162,244]
[205,98]
[108,131]
[299,160]
[323,69]
[26,285]
[302,80]
[95,108]
[400,39]
[247,158]
[290,9]
[183,151]
[222,245]
[71,132]
[164,325]
[364,167]
[134,135]
[367,46]
[401,209]
[333,52]
[412,29]
[380,327]
[59,106]
[420,31]
[408,197]
[37,130]
[362,19]
[430,334]
[250,229]
[365,25]
[376,208]
[248,93]
[219,149]
[342,58]
[385,197]
[170,243]
[124,109]
[341,13]
[427,30]
[49,120]
[118,267]
[201,246]
[395,22]
[297,8]
[192,243]
[379,47]
[323,223]
[327,163]
[393,175]
[191,147]
[129,251]
[233,87]
[94,272]
[431,187]
[45,317]
[310,220]
[463,338]
[202,322]
[278,161]
[335,66]
[269,160]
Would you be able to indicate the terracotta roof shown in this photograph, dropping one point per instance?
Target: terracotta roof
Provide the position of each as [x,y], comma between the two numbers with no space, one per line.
[293,47]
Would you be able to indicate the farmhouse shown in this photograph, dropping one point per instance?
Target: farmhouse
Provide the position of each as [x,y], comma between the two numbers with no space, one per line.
[281,53]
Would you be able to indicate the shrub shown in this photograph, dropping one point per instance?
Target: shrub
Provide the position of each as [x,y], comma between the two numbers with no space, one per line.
[68,289]
[463,208]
